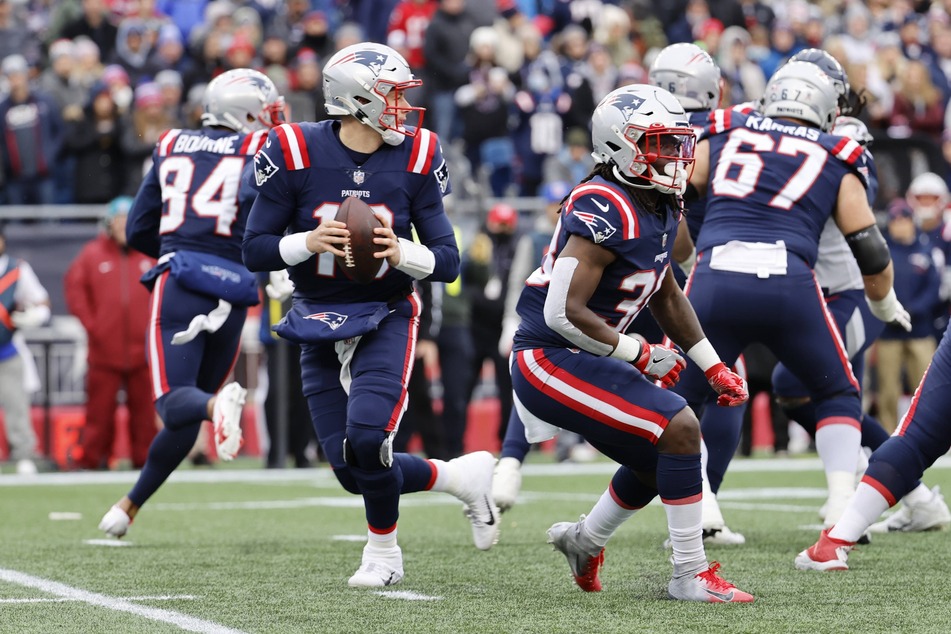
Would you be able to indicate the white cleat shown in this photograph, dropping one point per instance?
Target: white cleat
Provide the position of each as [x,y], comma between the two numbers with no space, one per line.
[380,567]
[722,536]
[115,523]
[506,483]
[706,587]
[226,418]
[26,466]
[471,481]
[932,515]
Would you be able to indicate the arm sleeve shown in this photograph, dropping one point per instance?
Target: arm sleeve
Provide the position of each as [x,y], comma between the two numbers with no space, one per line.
[145,215]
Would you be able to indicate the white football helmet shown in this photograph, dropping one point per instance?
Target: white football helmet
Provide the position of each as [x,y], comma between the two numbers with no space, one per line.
[643,132]
[854,129]
[243,100]
[357,81]
[800,90]
[689,73]
[831,67]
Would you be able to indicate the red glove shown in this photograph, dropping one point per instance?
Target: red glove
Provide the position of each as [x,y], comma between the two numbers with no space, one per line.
[728,384]
[661,363]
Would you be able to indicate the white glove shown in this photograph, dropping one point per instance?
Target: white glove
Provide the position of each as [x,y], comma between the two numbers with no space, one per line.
[509,326]
[890,310]
[280,286]
[32,317]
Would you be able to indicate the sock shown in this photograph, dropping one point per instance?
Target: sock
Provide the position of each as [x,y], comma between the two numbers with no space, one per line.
[168,449]
[442,475]
[418,474]
[625,496]
[514,444]
[837,441]
[680,484]
[863,509]
[381,540]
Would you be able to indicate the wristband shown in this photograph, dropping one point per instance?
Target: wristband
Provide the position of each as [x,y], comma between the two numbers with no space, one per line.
[294,248]
[416,259]
[703,354]
[627,349]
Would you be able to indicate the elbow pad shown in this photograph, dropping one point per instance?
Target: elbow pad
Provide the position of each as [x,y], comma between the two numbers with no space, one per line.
[870,250]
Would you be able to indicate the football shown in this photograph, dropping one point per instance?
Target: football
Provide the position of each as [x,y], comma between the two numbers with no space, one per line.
[358,262]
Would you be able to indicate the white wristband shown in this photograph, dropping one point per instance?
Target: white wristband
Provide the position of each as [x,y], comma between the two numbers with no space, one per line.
[627,349]
[294,248]
[703,354]
[416,259]
[884,308]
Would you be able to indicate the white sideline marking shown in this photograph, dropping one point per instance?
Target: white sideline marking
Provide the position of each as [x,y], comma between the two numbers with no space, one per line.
[161,597]
[406,595]
[61,516]
[323,475]
[349,538]
[113,543]
[118,604]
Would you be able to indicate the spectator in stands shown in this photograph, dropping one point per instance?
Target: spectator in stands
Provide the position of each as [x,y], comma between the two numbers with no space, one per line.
[306,99]
[170,83]
[601,72]
[133,49]
[169,54]
[744,77]
[929,198]
[917,282]
[88,68]
[484,104]
[407,30]
[919,105]
[445,49]
[25,304]
[102,290]
[59,82]
[94,24]
[15,36]
[573,162]
[783,45]
[573,57]
[613,32]
[141,131]
[31,136]
[117,79]
[92,145]
[316,35]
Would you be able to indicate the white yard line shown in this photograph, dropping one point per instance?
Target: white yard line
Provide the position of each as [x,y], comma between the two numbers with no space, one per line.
[406,595]
[117,604]
[162,597]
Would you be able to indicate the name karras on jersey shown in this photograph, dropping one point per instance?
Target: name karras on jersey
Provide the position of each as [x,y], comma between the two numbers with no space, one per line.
[187,144]
[765,124]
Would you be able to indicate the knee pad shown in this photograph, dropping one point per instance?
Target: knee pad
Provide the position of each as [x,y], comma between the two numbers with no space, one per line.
[368,449]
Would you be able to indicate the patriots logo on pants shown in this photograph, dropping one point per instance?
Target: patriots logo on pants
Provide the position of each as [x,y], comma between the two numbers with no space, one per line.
[600,228]
[334,320]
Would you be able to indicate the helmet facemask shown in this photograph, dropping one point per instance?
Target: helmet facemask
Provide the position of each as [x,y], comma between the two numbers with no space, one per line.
[662,156]
[391,123]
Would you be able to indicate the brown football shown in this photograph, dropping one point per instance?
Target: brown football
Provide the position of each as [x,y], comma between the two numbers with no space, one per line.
[359,263]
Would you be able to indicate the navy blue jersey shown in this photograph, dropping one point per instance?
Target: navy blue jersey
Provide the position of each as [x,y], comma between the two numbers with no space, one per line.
[696,209]
[791,199]
[602,212]
[189,199]
[304,173]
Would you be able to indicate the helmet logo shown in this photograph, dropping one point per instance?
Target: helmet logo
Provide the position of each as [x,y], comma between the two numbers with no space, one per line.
[627,104]
[370,59]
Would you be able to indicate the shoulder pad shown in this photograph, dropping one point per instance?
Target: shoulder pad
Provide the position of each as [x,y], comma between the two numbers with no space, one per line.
[600,205]
[425,143]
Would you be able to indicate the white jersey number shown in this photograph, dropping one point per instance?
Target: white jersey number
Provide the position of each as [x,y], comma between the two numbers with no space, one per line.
[751,166]
[216,197]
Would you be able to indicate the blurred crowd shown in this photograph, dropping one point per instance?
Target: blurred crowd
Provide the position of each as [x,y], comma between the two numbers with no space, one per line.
[87,87]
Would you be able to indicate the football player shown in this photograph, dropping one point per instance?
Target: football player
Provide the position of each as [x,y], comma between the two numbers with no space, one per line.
[839,277]
[358,340]
[772,182]
[575,366]
[188,213]
[894,469]
[691,75]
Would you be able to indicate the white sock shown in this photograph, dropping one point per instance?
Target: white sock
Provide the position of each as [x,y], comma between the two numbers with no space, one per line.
[860,513]
[443,471]
[919,495]
[686,537]
[605,518]
[381,541]
[838,444]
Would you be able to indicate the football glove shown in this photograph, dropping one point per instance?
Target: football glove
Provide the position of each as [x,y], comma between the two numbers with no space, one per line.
[890,310]
[661,363]
[728,384]
[280,286]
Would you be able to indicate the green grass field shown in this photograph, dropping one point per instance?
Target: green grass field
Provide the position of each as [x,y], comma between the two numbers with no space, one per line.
[228,550]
